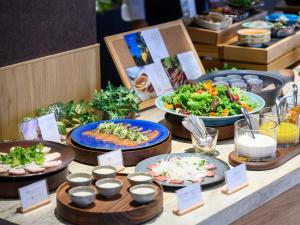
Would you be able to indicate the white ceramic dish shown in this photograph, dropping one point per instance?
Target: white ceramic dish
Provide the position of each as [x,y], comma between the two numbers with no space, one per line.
[82,196]
[227,21]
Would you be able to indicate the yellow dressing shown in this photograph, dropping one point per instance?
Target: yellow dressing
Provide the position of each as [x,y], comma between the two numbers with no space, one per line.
[287,133]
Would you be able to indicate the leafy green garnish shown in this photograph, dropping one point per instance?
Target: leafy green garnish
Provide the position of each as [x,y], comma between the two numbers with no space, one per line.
[117,102]
[19,156]
[68,115]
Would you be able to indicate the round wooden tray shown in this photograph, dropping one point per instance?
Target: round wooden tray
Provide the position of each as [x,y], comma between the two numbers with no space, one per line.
[56,176]
[173,123]
[121,210]
[282,156]
[130,157]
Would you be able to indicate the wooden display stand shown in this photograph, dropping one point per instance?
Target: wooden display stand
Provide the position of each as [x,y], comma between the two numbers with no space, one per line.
[131,157]
[226,192]
[183,212]
[174,124]
[282,155]
[214,38]
[209,43]
[120,210]
[282,6]
[271,52]
[176,40]
[22,210]
[286,61]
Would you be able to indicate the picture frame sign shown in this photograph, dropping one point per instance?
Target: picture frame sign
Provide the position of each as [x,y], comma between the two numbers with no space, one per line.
[155,60]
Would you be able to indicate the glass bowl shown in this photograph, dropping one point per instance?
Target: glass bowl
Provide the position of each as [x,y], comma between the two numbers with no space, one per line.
[262,147]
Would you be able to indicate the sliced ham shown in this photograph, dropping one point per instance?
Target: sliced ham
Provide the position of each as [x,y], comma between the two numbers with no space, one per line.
[17,171]
[46,150]
[160,178]
[151,166]
[52,164]
[210,166]
[3,170]
[210,173]
[197,180]
[52,156]
[34,169]
[176,181]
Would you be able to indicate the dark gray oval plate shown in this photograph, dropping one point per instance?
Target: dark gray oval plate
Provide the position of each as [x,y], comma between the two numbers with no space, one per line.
[207,182]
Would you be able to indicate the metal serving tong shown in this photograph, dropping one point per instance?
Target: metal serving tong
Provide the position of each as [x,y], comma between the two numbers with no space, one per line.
[196,126]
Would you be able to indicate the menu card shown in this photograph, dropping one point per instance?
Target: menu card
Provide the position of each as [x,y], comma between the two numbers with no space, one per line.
[33,194]
[48,127]
[113,158]
[189,197]
[28,129]
[236,177]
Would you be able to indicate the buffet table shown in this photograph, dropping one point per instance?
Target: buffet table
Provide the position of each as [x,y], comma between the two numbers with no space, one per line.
[218,208]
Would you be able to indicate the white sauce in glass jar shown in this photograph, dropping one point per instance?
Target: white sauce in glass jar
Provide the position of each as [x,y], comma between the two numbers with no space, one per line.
[260,147]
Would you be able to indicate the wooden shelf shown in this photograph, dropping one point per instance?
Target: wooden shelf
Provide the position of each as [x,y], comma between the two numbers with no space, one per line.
[211,37]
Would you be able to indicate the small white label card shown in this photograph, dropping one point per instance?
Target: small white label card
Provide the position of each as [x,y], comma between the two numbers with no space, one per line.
[159,78]
[236,178]
[155,44]
[189,65]
[113,158]
[188,8]
[28,129]
[48,127]
[189,198]
[34,195]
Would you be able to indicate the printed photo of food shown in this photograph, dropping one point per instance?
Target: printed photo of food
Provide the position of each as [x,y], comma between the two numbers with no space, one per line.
[174,71]
[141,83]
[138,49]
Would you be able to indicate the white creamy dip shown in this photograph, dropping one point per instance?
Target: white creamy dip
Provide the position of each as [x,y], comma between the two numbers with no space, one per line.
[104,171]
[79,179]
[261,146]
[140,178]
[109,185]
[82,193]
[142,190]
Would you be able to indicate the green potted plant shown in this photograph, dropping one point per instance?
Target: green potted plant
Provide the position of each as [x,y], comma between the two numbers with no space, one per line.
[116,102]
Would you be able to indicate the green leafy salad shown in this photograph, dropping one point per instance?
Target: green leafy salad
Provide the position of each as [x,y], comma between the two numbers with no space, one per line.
[19,156]
[206,99]
[121,131]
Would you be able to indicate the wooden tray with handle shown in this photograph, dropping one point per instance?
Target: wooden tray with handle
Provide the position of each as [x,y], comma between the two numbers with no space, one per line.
[120,210]
[282,156]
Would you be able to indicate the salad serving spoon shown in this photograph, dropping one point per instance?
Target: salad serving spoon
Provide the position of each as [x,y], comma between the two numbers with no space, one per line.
[295,94]
[248,120]
[277,105]
[196,126]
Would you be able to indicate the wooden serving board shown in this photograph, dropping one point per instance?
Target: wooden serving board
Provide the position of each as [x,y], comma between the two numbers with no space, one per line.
[282,156]
[130,157]
[173,123]
[56,176]
[120,210]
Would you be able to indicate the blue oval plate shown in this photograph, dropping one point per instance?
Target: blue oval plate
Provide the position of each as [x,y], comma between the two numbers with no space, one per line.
[216,120]
[290,18]
[90,142]
[208,181]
